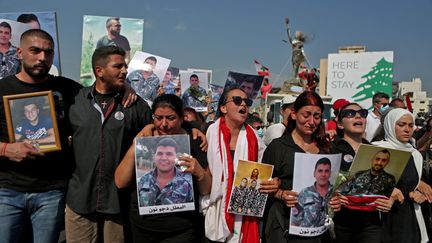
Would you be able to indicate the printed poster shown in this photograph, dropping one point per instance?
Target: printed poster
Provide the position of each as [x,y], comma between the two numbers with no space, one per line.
[245,197]
[250,84]
[314,180]
[194,88]
[99,31]
[373,174]
[162,186]
[358,76]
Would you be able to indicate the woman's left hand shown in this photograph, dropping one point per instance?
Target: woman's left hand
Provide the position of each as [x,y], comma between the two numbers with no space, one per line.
[129,97]
[417,197]
[270,186]
[426,190]
[384,205]
[192,166]
[335,203]
[197,133]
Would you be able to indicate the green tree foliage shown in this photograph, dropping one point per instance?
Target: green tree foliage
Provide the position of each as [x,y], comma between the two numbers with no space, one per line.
[379,79]
[86,68]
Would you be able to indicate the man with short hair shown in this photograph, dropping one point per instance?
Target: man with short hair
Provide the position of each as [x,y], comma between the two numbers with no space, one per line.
[248,86]
[95,207]
[32,184]
[195,96]
[380,104]
[374,181]
[398,103]
[311,209]
[144,81]
[168,86]
[35,128]
[8,53]
[113,37]
[276,130]
[165,184]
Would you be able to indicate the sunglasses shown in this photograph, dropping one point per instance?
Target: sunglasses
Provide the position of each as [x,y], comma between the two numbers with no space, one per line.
[238,101]
[350,113]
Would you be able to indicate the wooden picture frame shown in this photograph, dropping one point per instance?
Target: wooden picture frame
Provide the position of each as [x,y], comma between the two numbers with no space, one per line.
[31,118]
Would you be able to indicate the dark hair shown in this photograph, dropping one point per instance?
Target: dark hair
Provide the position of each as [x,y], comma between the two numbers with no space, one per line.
[384,151]
[304,99]
[340,132]
[38,33]
[170,69]
[223,99]
[169,100]
[198,116]
[101,55]
[167,142]
[323,161]
[193,76]
[376,97]
[394,100]
[6,25]
[151,58]
[428,125]
[108,22]
[250,79]
[27,18]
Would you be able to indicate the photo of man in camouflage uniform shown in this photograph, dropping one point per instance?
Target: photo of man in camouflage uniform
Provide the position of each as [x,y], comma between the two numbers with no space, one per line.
[165,184]
[311,210]
[374,181]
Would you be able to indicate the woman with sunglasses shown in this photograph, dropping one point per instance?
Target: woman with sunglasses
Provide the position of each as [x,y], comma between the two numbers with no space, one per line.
[230,139]
[353,225]
[405,221]
[174,227]
[304,134]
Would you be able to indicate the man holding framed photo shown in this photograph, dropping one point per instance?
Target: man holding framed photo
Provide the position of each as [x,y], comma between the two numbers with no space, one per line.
[33,184]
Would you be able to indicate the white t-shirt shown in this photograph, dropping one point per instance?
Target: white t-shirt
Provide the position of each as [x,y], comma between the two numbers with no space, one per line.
[372,123]
[272,132]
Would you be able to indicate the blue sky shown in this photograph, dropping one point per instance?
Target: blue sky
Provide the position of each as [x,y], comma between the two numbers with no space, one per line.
[228,35]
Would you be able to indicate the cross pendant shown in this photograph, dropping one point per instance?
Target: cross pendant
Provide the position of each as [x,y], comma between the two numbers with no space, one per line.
[104,104]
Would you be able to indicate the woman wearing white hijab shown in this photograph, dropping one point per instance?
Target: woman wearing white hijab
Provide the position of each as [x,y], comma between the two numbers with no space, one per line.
[405,221]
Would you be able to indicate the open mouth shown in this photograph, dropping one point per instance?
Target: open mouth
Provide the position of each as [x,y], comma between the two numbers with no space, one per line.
[242,110]
[358,124]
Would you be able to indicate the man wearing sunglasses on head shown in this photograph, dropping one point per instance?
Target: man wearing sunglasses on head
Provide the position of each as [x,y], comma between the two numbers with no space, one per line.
[380,104]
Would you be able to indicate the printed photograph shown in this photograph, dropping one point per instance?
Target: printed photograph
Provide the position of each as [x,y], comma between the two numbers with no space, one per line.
[194,88]
[162,186]
[314,179]
[373,174]
[145,74]
[250,84]
[171,81]
[40,20]
[10,34]
[100,31]
[31,118]
[216,92]
[245,197]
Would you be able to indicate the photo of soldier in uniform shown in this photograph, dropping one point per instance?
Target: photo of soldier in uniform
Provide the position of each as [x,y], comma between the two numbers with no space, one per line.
[309,216]
[246,198]
[250,84]
[40,20]
[195,90]
[145,73]
[10,34]
[373,174]
[162,186]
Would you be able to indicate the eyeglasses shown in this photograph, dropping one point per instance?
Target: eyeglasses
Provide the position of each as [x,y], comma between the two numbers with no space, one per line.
[238,101]
[350,113]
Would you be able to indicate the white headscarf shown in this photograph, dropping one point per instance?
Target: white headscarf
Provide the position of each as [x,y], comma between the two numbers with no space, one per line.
[392,142]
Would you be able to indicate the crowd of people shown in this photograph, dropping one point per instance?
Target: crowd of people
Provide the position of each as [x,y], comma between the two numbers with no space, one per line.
[89,187]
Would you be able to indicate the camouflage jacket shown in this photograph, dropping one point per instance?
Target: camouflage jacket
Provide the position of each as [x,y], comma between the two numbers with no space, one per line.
[10,63]
[145,88]
[365,183]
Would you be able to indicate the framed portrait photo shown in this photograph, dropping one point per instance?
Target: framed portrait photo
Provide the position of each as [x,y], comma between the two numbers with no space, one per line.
[30,118]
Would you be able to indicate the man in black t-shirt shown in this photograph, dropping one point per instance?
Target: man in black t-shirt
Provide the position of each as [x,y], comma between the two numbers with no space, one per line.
[32,184]
[113,37]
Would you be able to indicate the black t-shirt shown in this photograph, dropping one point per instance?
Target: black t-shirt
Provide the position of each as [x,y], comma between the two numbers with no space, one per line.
[172,222]
[51,171]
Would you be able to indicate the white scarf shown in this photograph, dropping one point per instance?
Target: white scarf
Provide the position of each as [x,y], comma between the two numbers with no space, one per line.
[392,142]
[213,205]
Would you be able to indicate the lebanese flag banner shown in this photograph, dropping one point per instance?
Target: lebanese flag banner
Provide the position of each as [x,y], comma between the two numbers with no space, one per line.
[261,70]
[408,103]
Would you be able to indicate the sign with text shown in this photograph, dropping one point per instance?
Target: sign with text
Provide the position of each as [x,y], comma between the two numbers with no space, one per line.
[358,76]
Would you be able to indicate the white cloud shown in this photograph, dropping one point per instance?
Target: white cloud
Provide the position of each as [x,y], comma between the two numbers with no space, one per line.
[181,27]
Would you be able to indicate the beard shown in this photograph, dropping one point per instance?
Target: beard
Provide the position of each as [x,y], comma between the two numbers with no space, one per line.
[115,87]
[33,72]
